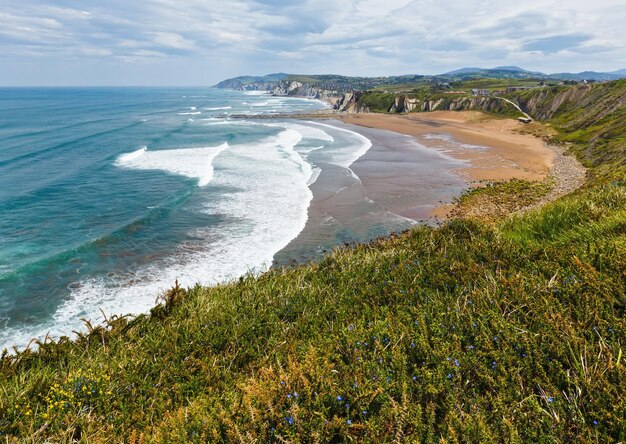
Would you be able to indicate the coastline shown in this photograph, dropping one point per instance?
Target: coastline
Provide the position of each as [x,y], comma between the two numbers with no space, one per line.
[417,166]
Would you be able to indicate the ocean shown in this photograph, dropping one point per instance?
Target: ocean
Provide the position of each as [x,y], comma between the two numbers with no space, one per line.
[110,195]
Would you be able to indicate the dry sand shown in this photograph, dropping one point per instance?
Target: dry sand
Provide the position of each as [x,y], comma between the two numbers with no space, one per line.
[506,154]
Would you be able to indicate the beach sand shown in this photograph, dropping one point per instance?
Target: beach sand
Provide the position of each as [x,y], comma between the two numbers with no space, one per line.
[417,165]
[507,154]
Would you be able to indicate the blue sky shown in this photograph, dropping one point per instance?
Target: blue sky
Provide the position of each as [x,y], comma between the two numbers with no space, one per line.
[196,42]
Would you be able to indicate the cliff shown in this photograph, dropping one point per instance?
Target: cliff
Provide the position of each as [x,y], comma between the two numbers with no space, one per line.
[367,102]
[280,85]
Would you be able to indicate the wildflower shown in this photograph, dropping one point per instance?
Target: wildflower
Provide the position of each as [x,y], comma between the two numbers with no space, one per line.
[349,422]
[456,362]
[339,398]
[550,399]
[414,378]
[493,365]
[289,420]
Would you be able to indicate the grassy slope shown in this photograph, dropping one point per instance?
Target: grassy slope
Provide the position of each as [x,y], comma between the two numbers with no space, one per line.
[511,332]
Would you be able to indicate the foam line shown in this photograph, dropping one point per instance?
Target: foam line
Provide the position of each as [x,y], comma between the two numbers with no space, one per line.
[196,163]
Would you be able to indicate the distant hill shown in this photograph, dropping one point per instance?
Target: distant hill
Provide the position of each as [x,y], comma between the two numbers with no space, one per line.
[337,84]
[502,72]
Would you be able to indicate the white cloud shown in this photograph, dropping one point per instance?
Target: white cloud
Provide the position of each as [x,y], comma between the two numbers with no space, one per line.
[357,37]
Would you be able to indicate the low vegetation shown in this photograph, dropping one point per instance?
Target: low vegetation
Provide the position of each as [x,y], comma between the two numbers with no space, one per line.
[511,331]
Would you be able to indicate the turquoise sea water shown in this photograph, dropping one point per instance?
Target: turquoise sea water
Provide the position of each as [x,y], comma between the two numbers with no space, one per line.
[107,196]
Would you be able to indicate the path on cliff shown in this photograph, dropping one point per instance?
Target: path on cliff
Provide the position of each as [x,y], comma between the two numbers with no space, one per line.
[516,106]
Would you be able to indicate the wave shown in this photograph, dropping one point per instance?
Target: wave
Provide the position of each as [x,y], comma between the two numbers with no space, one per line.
[256,93]
[264,206]
[218,108]
[194,113]
[346,157]
[190,162]
[307,132]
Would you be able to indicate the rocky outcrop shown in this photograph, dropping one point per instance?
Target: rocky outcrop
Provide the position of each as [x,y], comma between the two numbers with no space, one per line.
[281,88]
[403,104]
[349,103]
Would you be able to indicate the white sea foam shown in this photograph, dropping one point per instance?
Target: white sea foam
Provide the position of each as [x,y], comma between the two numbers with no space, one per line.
[308,132]
[256,93]
[194,113]
[218,108]
[193,108]
[265,210]
[265,103]
[346,156]
[190,162]
[314,176]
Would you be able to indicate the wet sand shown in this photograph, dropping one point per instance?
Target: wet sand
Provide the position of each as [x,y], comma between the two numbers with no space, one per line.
[417,165]
[399,183]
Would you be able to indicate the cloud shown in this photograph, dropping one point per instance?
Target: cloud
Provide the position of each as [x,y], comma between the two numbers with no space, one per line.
[355,37]
[557,43]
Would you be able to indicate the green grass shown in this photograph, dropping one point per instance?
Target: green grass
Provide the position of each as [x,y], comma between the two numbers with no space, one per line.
[511,331]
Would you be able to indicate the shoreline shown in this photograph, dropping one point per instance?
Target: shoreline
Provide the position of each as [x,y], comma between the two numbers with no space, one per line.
[417,166]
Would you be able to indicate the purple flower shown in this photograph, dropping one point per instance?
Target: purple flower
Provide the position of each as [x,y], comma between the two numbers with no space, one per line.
[289,420]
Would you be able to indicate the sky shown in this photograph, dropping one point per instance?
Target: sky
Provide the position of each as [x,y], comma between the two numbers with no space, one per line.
[200,42]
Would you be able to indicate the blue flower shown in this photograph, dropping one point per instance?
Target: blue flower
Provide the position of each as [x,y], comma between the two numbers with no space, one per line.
[289,420]
[339,398]
[456,362]
[550,399]
[348,422]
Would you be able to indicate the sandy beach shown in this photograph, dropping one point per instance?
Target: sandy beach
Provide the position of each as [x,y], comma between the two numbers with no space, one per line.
[417,165]
[492,147]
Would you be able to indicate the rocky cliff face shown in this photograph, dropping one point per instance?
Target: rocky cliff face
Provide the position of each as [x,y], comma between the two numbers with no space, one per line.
[349,103]
[281,88]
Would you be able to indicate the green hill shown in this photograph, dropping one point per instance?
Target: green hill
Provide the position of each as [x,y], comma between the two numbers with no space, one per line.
[472,332]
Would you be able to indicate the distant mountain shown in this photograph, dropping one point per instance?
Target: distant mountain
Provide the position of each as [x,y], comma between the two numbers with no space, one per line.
[503,72]
[619,72]
[587,75]
[282,83]
[500,72]
[463,71]
[238,82]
